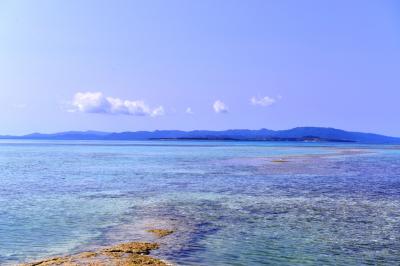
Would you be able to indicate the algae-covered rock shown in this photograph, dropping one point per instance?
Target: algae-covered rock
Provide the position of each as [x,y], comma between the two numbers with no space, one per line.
[140,260]
[132,247]
[160,232]
[49,262]
[125,254]
[88,254]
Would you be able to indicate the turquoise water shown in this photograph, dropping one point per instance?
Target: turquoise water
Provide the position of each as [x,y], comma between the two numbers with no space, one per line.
[331,204]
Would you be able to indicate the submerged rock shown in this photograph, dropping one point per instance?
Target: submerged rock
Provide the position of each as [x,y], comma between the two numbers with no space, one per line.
[139,260]
[88,254]
[124,254]
[132,247]
[280,161]
[48,262]
[160,232]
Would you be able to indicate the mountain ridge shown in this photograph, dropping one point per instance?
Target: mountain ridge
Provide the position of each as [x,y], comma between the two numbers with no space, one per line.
[295,134]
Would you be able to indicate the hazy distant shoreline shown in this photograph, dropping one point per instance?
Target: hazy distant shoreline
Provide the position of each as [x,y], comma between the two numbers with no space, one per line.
[302,134]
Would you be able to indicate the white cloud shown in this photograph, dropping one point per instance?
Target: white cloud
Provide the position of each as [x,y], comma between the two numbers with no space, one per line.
[189,111]
[263,101]
[220,107]
[159,111]
[96,102]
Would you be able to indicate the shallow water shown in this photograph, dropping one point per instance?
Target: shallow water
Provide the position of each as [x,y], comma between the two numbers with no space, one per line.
[330,204]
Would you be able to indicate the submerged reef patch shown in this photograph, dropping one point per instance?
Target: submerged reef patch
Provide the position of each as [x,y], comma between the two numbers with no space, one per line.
[160,232]
[132,247]
[280,161]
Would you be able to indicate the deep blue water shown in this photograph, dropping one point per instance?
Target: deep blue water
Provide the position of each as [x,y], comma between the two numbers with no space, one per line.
[329,204]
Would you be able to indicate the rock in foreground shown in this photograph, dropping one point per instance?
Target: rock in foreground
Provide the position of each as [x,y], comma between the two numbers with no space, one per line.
[126,254]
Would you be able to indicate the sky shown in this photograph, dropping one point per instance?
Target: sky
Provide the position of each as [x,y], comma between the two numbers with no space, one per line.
[147,65]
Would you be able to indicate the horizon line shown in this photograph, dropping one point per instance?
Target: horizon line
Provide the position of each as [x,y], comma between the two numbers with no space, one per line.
[191,130]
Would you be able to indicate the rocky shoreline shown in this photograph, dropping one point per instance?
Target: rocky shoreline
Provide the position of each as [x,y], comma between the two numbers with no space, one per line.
[124,254]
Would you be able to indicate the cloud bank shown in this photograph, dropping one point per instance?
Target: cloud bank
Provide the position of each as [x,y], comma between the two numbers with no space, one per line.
[96,102]
[220,107]
[264,101]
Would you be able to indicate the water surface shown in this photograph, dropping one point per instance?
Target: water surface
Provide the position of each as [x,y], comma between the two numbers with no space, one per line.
[331,204]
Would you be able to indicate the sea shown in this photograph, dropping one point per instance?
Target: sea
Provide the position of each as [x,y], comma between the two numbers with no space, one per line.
[229,202]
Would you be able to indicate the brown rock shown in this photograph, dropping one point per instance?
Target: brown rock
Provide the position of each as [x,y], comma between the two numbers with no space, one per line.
[160,232]
[88,254]
[140,260]
[132,247]
[48,262]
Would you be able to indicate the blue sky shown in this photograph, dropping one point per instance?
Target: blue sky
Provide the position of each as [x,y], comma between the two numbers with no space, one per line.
[145,65]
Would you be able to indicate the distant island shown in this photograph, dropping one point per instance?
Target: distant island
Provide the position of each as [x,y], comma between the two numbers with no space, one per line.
[303,134]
